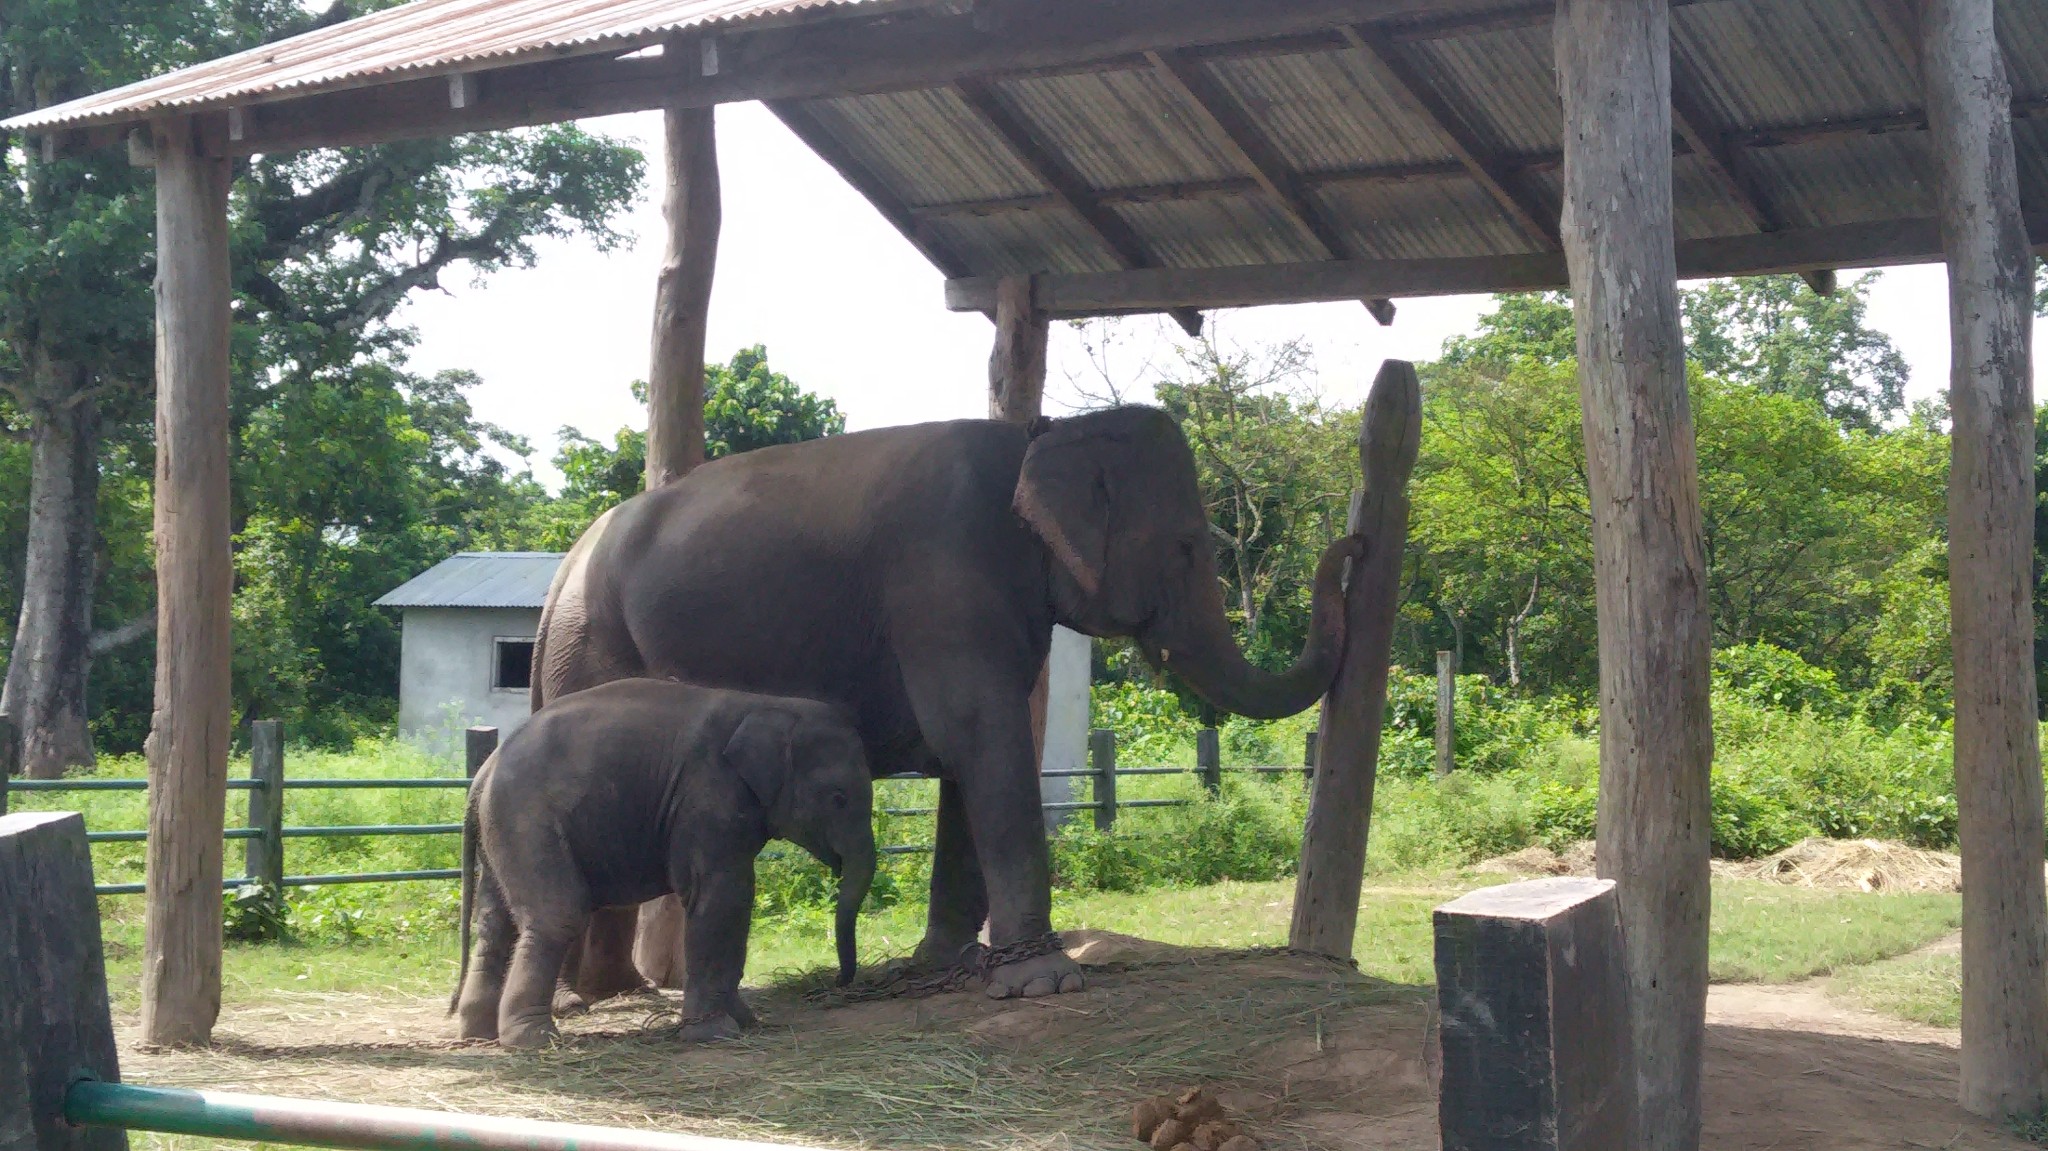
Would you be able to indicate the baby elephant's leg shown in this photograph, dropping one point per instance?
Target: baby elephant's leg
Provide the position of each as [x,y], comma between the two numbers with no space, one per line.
[526,1015]
[715,954]
[483,986]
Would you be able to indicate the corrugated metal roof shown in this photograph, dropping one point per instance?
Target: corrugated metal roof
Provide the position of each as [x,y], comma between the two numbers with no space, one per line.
[420,38]
[480,579]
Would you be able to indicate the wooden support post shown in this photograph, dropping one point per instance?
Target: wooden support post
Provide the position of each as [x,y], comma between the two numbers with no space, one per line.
[1446,713]
[1308,753]
[1656,733]
[263,857]
[1534,997]
[188,740]
[1991,516]
[691,207]
[54,1020]
[1016,367]
[1209,760]
[478,745]
[1348,744]
[10,757]
[1102,757]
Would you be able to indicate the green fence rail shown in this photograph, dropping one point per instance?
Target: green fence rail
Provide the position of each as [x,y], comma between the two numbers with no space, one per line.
[265,832]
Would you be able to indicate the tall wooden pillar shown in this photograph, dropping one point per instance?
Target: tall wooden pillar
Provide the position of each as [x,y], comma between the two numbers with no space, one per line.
[188,740]
[1016,367]
[1991,517]
[682,300]
[1656,734]
[692,207]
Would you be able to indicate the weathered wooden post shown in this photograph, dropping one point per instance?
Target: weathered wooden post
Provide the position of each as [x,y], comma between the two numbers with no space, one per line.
[1308,754]
[10,757]
[263,855]
[1446,713]
[1534,997]
[1209,760]
[478,744]
[1016,365]
[692,207]
[1348,745]
[1991,517]
[188,739]
[1102,756]
[1656,733]
[54,1021]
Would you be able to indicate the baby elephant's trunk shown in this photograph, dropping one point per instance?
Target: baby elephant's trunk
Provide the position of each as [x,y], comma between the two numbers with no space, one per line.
[857,871]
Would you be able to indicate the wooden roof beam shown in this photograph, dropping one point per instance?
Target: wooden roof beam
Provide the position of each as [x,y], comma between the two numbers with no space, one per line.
[1487,169]
[805,125]
[1232,125]
[1052,171]
[1707,143]
[1871,245]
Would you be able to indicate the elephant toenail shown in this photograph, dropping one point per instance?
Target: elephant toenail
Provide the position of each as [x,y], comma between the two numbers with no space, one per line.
[1041,986]
[997,990]
[1072,981]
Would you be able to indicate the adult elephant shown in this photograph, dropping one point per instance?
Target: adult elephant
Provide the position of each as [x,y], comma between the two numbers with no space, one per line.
[914,574]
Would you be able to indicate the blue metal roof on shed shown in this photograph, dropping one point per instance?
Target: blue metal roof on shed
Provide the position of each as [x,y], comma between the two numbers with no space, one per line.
[480,579]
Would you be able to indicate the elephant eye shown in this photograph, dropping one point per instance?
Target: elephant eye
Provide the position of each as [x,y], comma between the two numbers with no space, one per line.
[839,800]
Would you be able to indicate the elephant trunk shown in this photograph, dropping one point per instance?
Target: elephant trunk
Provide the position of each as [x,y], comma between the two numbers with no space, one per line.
[856,872]
[1197,644]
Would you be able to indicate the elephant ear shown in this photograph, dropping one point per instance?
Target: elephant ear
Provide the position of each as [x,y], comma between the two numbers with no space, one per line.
[1063,492]
[760,752]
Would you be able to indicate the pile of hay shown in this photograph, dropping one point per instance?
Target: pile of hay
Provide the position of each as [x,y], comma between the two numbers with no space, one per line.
[1854,865]
[1539,861]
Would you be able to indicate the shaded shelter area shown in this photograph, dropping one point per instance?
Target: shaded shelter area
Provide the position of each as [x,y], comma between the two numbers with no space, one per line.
[1085,157]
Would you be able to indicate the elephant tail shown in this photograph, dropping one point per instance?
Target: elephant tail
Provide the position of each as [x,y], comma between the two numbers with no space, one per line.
[477,873]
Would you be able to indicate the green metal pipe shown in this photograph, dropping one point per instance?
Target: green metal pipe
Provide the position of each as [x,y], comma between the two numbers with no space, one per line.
[357,1126]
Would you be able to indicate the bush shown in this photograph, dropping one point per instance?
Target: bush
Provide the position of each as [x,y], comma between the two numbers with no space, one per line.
[1751,821]
[1251,831]
[1764,675]
[1560,814]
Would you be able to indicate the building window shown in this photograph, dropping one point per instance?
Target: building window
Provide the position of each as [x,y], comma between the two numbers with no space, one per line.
[512,669]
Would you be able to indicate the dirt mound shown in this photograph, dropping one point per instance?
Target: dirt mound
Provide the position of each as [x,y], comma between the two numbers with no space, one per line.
[1855,865]
[1538,861]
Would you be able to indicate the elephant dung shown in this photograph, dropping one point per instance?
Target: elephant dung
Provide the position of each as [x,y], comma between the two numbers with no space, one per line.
[1147,1116]
[1196,1106]
[1211,1136]
[1170,1134]
[1240,1143]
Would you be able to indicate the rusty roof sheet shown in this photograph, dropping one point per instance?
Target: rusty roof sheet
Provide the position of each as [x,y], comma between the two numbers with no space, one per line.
[416,39]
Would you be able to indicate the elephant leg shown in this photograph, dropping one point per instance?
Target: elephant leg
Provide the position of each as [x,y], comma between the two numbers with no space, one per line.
[525,1015]
[605,967]
[981,731]
[715,923]
[959,895]
[483,986]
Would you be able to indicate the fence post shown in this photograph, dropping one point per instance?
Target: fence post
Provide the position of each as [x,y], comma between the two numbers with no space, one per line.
[477,745]
[1102,757]
[1446,705]
[10,757]
[1308,753]
[54,1022]
[263,855]
[1209,759]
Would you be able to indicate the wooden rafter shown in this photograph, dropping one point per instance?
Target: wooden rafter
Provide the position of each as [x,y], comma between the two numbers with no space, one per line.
[1485,167]
[1248,146]
[1710,146]
[1051,170]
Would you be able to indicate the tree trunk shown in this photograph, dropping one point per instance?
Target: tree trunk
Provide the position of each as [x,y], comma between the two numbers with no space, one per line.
[1656,731]
[45,688]
[188,737]
[1016,364]
[1991,518]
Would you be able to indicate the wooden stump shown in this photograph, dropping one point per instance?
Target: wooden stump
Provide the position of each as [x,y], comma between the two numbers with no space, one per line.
[1446,713]
[1534,996]
[1348,739]
[1991,525]
[54,1022]
[188,739]
[1656,732]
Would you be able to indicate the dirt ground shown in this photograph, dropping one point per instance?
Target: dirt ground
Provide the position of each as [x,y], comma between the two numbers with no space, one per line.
[1306,1052]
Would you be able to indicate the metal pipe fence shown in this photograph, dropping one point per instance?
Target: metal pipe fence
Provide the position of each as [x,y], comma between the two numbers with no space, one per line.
[265,832]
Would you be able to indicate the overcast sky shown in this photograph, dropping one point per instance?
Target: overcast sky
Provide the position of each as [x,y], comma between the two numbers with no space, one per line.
[848,309]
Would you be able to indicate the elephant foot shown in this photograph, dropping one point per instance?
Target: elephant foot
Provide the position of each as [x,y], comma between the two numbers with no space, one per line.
[710,1028]
[476,1025]
[741,1013]
[1038,976]
[569,1003]
[528,1034]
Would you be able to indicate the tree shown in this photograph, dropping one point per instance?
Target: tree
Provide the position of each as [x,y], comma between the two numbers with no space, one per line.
[326,247]
[1776,334]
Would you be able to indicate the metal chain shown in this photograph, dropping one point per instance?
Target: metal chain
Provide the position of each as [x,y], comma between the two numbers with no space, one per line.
[976,962]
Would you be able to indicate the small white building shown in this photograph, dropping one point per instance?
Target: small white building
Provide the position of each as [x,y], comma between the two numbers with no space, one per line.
[467,656]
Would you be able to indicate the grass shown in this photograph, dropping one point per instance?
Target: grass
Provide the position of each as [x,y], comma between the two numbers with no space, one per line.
[1764,933]
[1925,988]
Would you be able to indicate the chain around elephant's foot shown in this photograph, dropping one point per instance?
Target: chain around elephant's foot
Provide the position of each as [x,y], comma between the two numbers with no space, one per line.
[1031,968]
[709,1027]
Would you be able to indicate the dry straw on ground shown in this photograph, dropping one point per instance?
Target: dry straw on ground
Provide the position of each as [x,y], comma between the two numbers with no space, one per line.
[1839,864]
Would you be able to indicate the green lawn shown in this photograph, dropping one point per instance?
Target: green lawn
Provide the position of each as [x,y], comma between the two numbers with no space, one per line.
[1918,988]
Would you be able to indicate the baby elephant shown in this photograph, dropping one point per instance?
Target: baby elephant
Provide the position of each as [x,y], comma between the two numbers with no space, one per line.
[626,792]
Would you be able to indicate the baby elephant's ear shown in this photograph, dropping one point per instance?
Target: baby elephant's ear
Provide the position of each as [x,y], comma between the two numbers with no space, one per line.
[760,751]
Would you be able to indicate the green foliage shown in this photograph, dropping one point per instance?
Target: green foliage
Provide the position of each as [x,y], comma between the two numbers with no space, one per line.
[255,913]
[1765,675]
[1777,335]
[1251,831]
